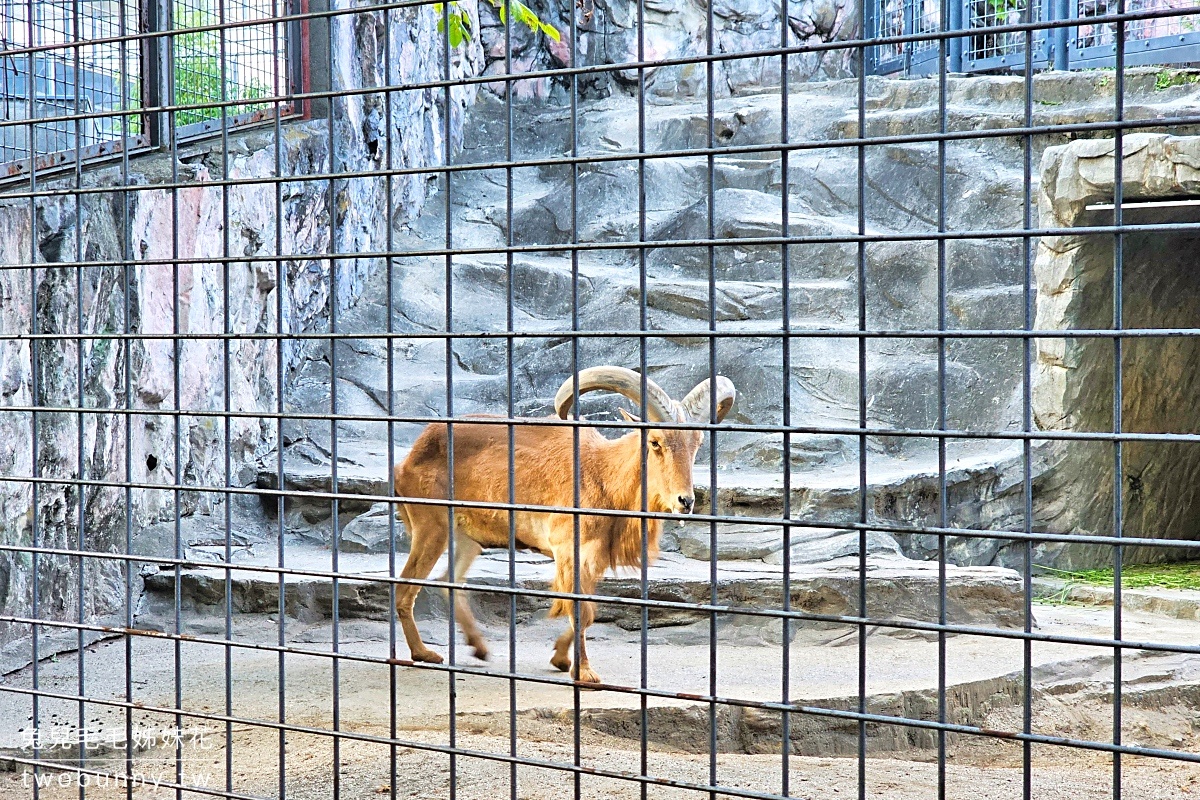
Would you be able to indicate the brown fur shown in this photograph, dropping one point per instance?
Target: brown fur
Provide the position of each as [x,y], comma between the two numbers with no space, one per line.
[610,478]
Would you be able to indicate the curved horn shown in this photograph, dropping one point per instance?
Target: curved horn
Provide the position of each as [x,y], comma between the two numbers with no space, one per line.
[659,405]
[697,403]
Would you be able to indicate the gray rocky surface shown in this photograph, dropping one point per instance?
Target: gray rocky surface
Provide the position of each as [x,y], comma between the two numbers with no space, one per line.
[984,281]
[608,32]
[899,589]
[373,532]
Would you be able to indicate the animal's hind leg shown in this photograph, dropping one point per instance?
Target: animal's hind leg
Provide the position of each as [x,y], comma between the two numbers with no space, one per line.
[466,550]
[427,528]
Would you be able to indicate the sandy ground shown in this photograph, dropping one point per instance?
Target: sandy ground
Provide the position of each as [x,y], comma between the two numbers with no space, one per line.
[1074,702]
[366,771]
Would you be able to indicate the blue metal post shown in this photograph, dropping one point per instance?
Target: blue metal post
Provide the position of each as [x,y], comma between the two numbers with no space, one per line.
[870,30]
[1061,10]
[956,24]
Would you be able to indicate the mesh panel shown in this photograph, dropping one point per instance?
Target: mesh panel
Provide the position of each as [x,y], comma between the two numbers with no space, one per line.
[1137,29]
[254,63]
[906,17]
[68,80]
[987,14]
[928,17]
[889,15]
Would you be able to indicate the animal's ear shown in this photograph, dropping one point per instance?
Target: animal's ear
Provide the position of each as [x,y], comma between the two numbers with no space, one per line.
[629,417]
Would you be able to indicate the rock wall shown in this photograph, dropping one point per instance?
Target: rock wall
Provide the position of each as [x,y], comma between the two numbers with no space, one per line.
[1074,378]
[148,226]
[607,33]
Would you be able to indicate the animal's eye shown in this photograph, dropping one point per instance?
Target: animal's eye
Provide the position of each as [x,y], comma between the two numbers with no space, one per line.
[655,445]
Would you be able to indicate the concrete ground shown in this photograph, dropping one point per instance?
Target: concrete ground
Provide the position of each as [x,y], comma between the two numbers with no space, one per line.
[1072,698]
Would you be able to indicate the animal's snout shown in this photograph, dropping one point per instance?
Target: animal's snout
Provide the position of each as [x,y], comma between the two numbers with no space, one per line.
[686,502]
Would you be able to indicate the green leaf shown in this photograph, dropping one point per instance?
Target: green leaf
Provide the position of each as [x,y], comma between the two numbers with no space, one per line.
[551,31]
[456,31]
[526,15]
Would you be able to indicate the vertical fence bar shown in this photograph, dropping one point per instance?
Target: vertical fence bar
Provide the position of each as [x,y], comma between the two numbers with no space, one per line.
[711,191]
[942,513]
[451,483]
[390,128]
[35,393]
[226,378]
[1118,324]
[127,398]
[281,275]
[785,342]
[861,301]
[510,430]
[643,363]
[177,419]
[81,540]
[578,607]
[1027,292]
[335,507]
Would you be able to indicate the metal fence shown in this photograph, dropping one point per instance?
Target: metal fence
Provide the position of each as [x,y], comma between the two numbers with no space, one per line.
[147,354]
[1160,33]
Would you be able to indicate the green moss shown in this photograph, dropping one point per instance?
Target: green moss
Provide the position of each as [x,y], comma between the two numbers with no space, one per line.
[1183,575]
[1166,78]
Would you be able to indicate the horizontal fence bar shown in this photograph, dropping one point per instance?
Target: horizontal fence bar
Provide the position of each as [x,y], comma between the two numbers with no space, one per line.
[631,157]
[897,623]
[666,244]
[567,335]
[977,533]
[1048,435]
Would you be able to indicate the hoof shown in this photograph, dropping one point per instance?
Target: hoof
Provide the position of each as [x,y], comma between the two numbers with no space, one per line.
[427,656]
[585,675]
[562,664]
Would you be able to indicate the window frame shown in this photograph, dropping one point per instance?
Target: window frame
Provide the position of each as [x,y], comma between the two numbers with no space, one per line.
[154,36]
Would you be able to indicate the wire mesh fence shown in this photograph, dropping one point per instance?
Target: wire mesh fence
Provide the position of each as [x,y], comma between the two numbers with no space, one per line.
[314,483]
[66,80]
[212,64]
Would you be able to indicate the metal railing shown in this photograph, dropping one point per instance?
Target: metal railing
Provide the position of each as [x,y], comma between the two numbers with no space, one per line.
[991,42]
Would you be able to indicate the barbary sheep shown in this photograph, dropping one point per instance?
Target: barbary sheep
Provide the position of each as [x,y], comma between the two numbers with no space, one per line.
[609,479]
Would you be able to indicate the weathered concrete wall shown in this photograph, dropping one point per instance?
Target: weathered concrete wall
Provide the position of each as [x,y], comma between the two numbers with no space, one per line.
[150,226]
[1074,378]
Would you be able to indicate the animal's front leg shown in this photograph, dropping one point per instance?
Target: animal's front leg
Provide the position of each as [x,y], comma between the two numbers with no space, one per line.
[583,670]
[566,642]
[591,568]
